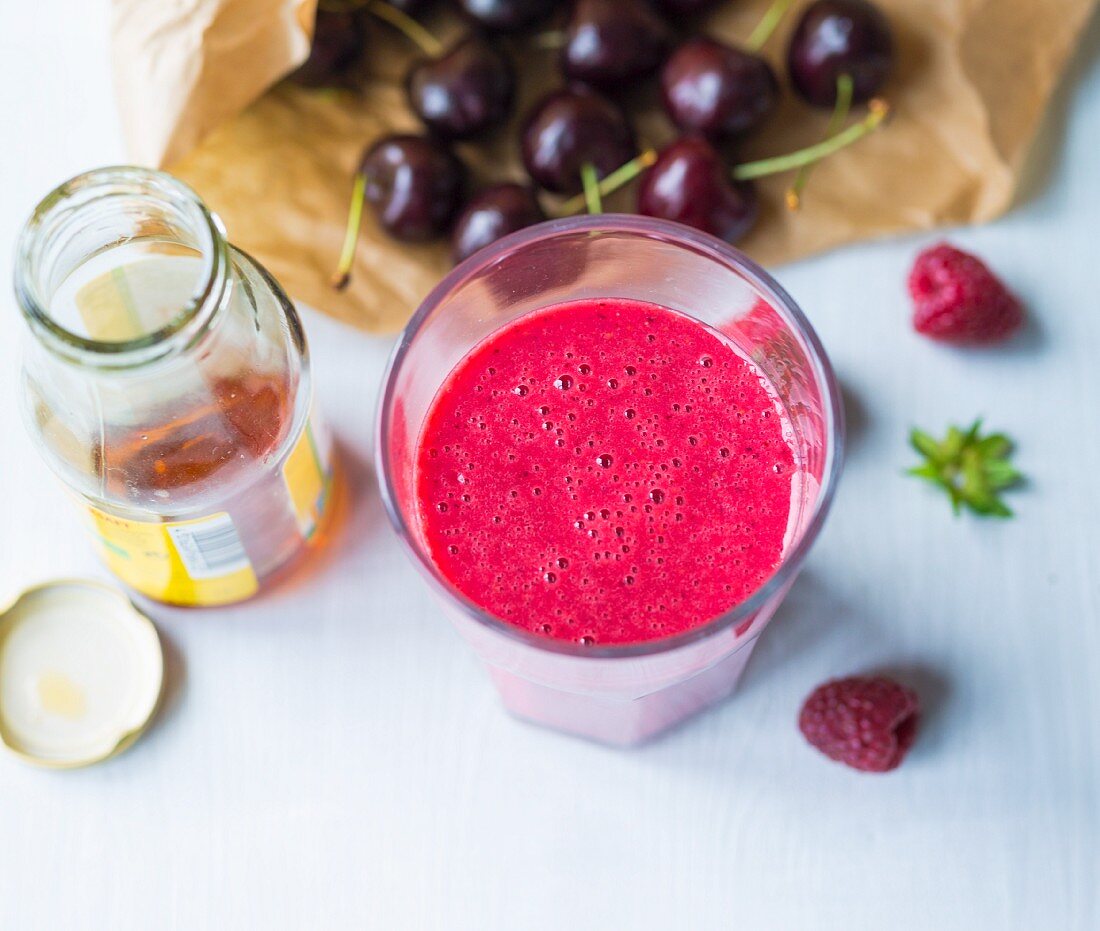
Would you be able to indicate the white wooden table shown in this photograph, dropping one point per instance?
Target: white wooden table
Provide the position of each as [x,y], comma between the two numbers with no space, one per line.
[332,757]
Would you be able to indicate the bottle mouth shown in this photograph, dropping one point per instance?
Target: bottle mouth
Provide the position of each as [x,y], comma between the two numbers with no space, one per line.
[92,272]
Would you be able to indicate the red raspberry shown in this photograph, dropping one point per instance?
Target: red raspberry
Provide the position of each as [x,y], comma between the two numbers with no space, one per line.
[867,722]
[957,299]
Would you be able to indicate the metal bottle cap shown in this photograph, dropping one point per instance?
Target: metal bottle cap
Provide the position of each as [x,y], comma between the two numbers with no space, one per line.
[80,673]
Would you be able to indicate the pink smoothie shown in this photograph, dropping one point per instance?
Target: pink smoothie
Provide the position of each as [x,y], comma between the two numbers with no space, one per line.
[605,471]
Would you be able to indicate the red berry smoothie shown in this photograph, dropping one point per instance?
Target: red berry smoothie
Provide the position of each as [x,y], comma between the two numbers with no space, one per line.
[605,472]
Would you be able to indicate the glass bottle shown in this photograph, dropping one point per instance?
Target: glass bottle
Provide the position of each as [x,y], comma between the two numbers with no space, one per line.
[166,381]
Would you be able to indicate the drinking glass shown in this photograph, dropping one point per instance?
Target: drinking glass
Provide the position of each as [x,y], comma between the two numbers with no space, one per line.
[617,694]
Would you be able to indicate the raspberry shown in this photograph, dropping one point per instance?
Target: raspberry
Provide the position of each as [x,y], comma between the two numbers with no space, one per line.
[957,299]
[866,722]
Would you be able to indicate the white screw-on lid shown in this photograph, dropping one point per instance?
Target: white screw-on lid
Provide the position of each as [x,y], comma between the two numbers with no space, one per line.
[80,673]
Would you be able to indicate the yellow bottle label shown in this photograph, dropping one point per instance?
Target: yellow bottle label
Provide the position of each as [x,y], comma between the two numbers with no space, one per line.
[308,477]
[203,562]
[189,562]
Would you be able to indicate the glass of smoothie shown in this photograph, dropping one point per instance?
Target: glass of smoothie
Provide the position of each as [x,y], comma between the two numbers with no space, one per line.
[608,443]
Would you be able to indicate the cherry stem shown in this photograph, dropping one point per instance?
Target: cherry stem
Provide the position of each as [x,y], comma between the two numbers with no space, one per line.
[843,106]
[772,17]
[405,24]
[592,200]
[553,39]
[342,275]
[814,153]
[620,176]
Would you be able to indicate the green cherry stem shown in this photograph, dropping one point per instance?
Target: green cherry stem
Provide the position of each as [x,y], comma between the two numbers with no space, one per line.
[772,17]
[814,153]
[620,176]
[836,121]
[592,200]
[554,39]
[342,275]
[405,24]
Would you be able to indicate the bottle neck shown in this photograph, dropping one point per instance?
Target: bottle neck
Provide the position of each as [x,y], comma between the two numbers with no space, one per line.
[120,268]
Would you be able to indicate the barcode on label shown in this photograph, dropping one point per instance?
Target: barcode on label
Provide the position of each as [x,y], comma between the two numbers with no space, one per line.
[210,548]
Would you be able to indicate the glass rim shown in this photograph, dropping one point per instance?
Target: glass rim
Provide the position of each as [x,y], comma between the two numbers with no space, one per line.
[115,180]
[649,228]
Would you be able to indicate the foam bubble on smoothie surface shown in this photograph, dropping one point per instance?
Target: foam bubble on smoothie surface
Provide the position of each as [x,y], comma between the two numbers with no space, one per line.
[605,472]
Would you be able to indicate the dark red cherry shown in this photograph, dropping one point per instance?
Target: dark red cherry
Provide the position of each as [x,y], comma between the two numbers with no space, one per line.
[507,15]
[609,42]
[836,37]
[492,213]
[465,91]
[339,39]
[569,128]
[716,90]
[414,184]
[689,183]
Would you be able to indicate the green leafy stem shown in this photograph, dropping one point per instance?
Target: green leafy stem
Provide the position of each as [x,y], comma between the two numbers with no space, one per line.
[970,468]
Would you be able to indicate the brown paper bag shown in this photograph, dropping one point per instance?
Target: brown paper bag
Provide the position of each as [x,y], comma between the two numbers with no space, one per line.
[972,79]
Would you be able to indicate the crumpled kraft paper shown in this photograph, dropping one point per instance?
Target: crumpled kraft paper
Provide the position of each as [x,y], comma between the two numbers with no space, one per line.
[195,87]
[183,67]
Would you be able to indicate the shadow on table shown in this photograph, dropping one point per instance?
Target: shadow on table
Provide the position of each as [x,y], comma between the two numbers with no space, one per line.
[175,681]
[856,419]
[933,687]
[173,692]
[811,613]
[357,517]
[360,518]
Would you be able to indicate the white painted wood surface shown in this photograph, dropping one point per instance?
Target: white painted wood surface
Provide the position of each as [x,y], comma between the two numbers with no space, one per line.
[332,757]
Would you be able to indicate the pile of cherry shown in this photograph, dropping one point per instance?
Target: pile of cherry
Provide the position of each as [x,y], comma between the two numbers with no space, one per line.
[577,142]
